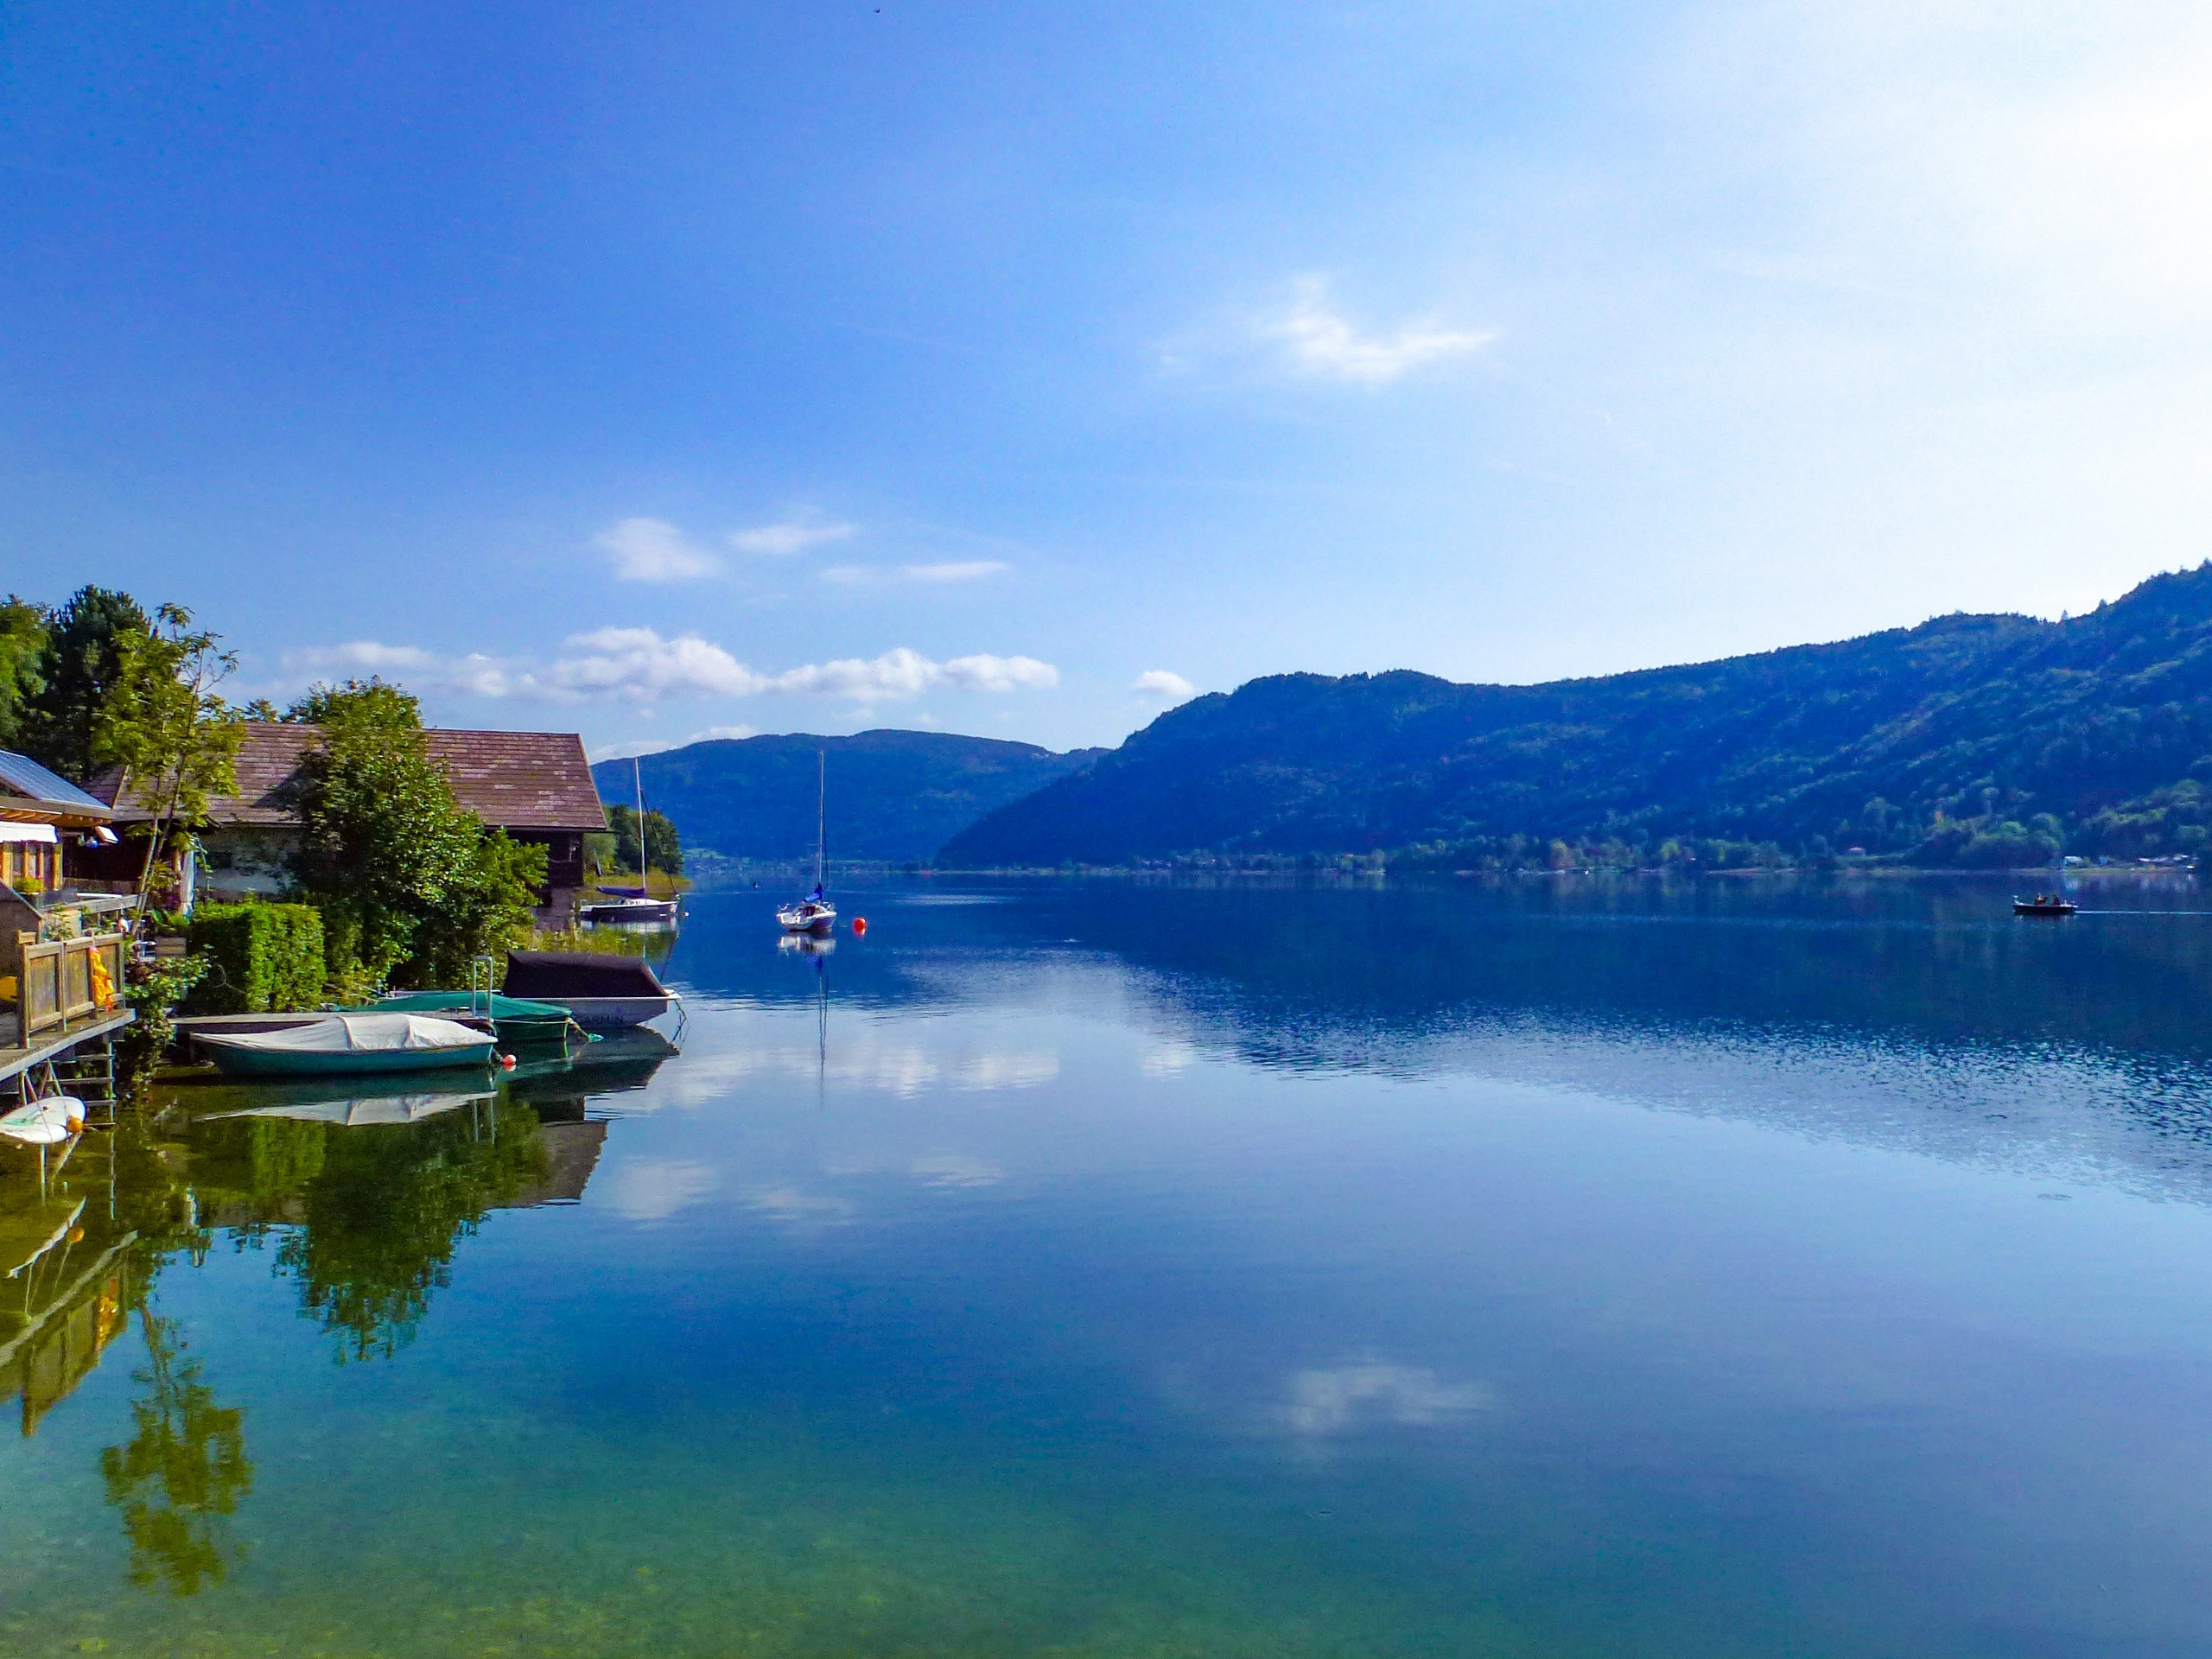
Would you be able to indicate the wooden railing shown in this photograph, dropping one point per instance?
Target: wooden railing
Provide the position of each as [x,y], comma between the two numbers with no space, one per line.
[58,982]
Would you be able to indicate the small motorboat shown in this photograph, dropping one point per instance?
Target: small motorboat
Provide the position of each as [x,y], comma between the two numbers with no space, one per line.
[601,991]
[347,1043]
[2045,904]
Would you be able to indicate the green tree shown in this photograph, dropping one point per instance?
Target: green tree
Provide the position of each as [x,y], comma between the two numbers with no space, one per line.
[22,644]
[162,721]
[411,883]
[661,840]
[78,666]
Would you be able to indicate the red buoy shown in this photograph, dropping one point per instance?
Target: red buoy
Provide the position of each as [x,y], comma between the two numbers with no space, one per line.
[860,925]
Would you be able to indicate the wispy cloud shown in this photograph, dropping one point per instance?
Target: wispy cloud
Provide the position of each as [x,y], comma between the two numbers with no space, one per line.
[1319,339]
[870,575]
[641,665]
[653,549]
[1162,684]
[957,570]
[790,536]
[625,749]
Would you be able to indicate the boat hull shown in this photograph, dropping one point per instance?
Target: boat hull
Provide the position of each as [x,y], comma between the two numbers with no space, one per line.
[632,912]
[616,1012]
[267,1063]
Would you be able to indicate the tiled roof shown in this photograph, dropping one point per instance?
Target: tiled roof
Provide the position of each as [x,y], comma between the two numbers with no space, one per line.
[26,787]
[514,780]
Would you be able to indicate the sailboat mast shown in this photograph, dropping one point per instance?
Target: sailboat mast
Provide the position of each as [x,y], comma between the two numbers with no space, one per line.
[645,863]
[821,811]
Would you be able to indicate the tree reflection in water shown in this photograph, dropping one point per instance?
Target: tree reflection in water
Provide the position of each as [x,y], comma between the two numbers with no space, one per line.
[184,1470]
[383,1207]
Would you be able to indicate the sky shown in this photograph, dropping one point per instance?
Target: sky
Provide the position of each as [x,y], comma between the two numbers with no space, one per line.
[654,371]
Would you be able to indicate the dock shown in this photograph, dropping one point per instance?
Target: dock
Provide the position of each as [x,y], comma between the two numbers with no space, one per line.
[57,1043]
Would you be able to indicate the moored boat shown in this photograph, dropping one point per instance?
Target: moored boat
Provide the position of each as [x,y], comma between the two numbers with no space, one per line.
[512,1019]
[812,914]
[45,1122]
[815,914]
[603,992]
[632,907]
[628,909]
[347,1043]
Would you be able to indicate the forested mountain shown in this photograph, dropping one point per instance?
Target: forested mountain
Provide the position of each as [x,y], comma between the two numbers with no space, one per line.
[893,795]
[1969,740]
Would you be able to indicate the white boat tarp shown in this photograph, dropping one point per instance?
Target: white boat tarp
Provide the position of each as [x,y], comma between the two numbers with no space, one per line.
[356,1034]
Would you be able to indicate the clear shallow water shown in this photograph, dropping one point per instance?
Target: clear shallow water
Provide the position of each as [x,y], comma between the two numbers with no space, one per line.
[1103,1269]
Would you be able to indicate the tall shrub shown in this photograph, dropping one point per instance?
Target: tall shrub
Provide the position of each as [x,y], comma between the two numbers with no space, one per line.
[262,959]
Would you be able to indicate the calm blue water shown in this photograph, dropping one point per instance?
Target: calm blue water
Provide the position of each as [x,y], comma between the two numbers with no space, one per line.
[1114,1268]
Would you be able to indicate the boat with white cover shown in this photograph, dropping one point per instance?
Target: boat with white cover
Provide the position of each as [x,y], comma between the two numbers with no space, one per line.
[348,1043]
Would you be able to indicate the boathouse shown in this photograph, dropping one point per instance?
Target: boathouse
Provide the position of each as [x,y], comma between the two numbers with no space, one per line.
[536,785]
[62,949]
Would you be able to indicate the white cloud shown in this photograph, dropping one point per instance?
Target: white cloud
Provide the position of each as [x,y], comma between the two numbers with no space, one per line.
[653,549]
[474,673]
[794,536]
[865,576]
[651,1189]
[1319,339]
[957,570]
[1328,1402]
[1167,687]
[900,674]
[641,665]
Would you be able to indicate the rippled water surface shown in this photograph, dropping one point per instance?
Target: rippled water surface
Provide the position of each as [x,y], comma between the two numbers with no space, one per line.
[1110,1269]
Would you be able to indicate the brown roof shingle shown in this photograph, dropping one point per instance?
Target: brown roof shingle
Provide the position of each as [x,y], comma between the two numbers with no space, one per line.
[514,780]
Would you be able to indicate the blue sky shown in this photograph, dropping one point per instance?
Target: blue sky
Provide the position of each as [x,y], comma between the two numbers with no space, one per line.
[654,370]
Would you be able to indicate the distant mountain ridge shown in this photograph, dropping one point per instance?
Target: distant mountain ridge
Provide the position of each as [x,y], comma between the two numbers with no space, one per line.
[894,796]
[1969,740]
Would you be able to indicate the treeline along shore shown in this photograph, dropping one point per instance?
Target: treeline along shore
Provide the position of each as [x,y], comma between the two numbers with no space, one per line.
[1968,742]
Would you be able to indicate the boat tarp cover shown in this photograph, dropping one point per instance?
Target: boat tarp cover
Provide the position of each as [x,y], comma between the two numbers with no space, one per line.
[357,1033]
[557,974]
[503,1007]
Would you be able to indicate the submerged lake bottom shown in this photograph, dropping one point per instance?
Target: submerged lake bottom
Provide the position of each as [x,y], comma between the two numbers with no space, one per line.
[1105,1268]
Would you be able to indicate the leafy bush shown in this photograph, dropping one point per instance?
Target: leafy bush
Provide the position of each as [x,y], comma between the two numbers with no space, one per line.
[262,959]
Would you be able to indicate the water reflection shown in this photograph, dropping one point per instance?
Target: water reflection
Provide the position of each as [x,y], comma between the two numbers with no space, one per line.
[182,1471]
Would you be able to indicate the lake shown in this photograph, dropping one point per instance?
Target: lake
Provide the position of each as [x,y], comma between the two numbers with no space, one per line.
[1574,1267]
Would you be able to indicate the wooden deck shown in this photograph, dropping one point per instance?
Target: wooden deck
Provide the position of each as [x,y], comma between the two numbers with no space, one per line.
[56,1041]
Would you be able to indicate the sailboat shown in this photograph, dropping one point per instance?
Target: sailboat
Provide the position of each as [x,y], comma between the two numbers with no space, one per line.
[815,914]
[633,904]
